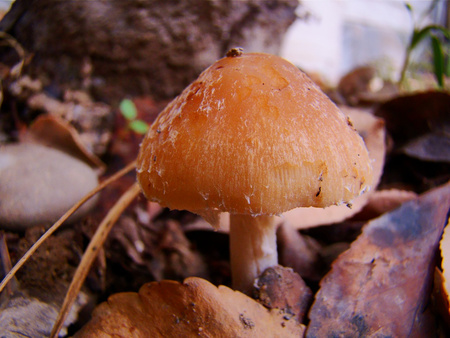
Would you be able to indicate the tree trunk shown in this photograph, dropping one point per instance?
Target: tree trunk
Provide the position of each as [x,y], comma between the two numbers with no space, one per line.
[135,47]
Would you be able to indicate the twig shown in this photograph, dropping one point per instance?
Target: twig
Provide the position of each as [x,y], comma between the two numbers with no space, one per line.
[55,226]
[6,263]
[91,252]
[5,38]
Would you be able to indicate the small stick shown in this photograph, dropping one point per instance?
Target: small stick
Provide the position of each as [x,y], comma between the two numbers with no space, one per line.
[55,226]
[91,252]
[6,262]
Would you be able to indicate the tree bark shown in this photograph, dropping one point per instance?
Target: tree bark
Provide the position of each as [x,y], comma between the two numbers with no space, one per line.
[137,47]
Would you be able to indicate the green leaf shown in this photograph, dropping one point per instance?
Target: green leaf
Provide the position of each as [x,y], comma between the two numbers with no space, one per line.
[128,109]
[447,67]
[138,126]
[438,60]
[408,6]
[420,34]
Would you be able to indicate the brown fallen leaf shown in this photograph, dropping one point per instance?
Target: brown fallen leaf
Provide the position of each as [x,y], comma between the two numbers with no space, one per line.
[382,201]
[175,258]
[55,132]
[355,82]
[433,147]
[193,308]
[281,288]
[363,86]
[27,308]
[445,254]
[300,252]
[441,299]
[380,287]
[422,113]
[418,127]
[26,316]
[92,119]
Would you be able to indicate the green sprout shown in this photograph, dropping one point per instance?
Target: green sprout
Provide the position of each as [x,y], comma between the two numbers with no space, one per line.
[128,110]
[438,35]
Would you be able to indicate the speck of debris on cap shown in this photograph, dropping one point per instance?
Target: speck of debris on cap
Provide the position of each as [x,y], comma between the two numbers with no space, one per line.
[233,52]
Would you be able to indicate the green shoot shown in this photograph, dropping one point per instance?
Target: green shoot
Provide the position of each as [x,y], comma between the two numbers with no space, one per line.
[128,110]
[437,33]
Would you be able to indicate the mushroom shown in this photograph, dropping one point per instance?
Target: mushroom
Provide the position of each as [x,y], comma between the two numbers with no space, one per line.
[255,137]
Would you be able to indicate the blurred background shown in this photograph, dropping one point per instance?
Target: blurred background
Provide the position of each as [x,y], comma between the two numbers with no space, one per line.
[332,37]
[325,38]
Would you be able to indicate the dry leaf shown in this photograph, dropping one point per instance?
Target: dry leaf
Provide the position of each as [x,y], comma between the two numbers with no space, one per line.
[281,288]
[445,253]
[28,309]
[53,131]
[441,298]
[300,252]
[92,119]
[363,86]
[417,123]
[160,251]
[175,258]
[193,308]
[380,286]
[422,113]
[430,147]
[26,316]
[356,82]
[382,201]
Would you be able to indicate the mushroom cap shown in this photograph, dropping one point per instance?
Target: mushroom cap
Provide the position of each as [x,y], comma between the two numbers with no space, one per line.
[252,135]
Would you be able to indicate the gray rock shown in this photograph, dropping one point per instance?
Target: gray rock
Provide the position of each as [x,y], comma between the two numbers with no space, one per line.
[39,184]
[25,316]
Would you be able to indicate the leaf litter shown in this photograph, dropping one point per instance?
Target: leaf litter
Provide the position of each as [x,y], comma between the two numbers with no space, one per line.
[443,278]
[355,271]
[192,308]
[381,285]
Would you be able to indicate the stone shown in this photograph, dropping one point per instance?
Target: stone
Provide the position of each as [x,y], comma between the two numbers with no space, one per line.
[39,184]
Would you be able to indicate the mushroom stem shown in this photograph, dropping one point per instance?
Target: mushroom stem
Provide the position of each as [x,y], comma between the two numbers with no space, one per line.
[253,248]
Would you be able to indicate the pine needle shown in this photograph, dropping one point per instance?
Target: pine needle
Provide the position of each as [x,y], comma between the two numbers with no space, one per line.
[91,252]
[55,226]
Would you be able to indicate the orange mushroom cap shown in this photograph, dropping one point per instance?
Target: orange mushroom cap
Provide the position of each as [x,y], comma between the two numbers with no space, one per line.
[252,135]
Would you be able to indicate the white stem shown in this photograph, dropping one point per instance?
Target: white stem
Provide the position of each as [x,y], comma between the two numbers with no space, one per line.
[253,248]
